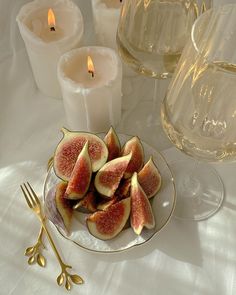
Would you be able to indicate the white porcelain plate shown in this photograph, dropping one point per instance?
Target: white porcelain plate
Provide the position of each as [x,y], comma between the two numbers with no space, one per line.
[162,204]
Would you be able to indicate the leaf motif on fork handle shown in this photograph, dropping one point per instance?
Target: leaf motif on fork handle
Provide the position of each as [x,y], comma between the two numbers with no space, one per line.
[34,204]
[34,252]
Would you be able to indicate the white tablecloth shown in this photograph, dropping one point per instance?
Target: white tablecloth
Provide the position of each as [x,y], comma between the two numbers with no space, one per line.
[197,258]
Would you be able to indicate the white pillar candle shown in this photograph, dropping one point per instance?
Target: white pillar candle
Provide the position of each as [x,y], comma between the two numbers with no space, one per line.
[106,15]
[92,98]
[45,43]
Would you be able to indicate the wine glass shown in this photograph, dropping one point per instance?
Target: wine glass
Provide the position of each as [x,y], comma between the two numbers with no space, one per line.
[199,111]
[150,37]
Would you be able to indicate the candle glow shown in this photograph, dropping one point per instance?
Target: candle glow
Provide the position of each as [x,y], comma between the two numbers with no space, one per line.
[90,65]
[51,20]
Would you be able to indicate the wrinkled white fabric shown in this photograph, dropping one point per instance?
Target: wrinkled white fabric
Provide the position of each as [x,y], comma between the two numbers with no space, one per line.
[197,258]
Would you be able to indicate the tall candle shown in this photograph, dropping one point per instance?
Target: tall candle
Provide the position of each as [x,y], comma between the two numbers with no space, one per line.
[106,15]
[91,93]
[49,28]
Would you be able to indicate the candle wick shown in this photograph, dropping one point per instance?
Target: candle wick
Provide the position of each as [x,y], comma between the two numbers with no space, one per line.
[92,73]
[52,29]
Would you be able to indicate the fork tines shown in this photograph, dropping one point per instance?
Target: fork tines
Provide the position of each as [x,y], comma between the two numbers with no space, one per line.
[29,194]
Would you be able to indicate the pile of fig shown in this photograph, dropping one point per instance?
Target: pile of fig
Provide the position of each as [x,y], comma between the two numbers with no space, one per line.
[99,177]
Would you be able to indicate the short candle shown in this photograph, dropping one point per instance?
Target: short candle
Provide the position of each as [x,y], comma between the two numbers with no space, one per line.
[49,28]
[90,79]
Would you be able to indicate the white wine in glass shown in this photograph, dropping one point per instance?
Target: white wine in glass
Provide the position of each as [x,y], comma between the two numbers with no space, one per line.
[151,36]
[199,111]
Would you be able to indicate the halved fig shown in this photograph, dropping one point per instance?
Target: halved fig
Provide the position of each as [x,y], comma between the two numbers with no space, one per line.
[69,148]
[80,177]
[64,205]
[113,144]
[87,204]
[149,178]
[109,176]
[134,145]
[141,210]
[107,224]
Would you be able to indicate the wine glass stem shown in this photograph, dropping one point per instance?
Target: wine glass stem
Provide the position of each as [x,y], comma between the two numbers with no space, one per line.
[160,89]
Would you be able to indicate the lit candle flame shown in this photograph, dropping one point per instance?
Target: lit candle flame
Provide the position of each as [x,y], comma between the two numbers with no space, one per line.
[91,69]
[51,20]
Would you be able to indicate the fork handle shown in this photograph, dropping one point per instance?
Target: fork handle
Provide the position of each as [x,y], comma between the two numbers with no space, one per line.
[52,243]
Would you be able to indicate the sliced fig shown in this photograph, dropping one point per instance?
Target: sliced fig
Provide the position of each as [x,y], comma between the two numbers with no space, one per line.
[69,148]
[141,210]
[80,177]
[88,203]
[133,145]
[123,190]
[109,176]
[104,204]
[64,205]
[107,224]
[113,144]
[149,178]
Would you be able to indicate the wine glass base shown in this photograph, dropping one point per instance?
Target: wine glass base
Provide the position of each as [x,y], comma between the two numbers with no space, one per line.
[199,188]
[144,122]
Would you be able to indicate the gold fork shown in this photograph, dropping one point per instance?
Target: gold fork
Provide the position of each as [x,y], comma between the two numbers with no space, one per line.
[34,252]
[34,204]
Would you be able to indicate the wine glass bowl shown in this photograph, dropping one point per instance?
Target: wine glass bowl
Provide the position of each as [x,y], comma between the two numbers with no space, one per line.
[152,34]
[199,111]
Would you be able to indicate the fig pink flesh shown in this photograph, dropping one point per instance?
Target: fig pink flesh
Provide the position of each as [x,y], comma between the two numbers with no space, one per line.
[141,211]
[108,223]
[80,176]
[109,176]
[136,163]
[150,179]
[111,219]
[79,183]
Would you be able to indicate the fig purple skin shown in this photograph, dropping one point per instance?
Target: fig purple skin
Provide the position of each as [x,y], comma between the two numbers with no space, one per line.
[107,224]
[69,148]
[113,144]
[135,147]
[51,211]
[64,205]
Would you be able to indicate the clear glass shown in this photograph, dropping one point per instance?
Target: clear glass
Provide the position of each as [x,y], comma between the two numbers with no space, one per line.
[151,36]
[199,110]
